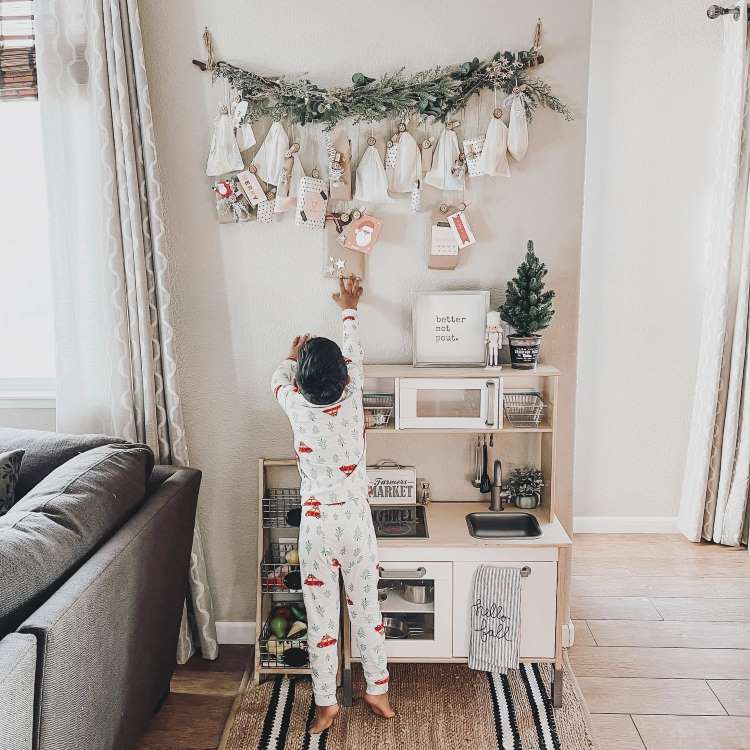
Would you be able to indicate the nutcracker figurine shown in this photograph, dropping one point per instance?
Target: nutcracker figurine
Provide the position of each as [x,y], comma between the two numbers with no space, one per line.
[493,338]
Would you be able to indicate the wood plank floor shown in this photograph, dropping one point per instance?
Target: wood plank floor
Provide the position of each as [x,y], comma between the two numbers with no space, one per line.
[201,696]
[662,648]
[662,651]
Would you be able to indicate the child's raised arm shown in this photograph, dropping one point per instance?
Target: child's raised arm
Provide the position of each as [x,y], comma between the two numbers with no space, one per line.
[347,298]
[282,380]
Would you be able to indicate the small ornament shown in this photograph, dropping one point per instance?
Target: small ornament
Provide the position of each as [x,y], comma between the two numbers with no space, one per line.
[224,155]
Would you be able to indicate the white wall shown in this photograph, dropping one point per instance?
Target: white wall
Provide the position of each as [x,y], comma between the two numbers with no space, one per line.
[243,291]
[652,114]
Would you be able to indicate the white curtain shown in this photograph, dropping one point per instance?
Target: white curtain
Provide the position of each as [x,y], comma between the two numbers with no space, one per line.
[116,365]
[717,474]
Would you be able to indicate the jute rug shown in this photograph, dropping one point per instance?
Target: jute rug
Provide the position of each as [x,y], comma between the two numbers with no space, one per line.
[438,706]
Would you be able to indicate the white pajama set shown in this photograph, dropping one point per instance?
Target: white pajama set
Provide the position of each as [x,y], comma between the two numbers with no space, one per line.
[336,531]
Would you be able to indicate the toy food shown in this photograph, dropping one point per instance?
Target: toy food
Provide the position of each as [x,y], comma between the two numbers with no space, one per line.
[292,556]
[279,626]
[297,630]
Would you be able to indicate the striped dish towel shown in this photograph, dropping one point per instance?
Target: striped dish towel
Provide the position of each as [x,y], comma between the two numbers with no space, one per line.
[495,619]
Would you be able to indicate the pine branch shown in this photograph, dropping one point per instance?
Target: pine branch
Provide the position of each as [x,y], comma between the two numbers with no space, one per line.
[437,92]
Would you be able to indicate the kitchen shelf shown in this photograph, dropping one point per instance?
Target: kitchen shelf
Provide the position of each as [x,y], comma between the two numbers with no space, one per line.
[408,371]
[544,426]
[394,603]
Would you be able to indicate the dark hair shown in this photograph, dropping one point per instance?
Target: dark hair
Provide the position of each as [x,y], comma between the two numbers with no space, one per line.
[321,371]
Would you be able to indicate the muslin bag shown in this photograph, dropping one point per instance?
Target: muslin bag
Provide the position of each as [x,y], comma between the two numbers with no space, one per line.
[371,182]
[494,159]
[442,174]
[271,156]
[407,171]
[224,155]
[518,126]
[243,131]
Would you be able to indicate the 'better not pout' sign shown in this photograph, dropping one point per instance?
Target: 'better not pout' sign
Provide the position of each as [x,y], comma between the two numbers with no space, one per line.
[449,328]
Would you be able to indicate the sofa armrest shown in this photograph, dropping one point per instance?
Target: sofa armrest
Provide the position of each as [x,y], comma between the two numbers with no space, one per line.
[107,638]
[17,672]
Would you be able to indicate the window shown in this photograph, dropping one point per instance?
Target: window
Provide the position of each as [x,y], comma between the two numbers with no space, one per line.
[27,361]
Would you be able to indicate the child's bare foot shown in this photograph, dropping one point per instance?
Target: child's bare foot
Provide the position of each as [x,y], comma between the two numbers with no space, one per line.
[324,716]
[380,705]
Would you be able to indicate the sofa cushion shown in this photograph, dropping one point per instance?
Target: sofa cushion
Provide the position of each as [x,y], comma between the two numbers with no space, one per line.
[10,470]
[56,526]
[45,451]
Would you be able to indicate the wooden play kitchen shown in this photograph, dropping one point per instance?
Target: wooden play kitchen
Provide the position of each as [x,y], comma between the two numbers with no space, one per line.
[429,553]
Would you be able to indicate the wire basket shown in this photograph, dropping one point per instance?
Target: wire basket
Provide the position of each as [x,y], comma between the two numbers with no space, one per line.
[523,408]
[378,410]
[277,504]
[272,651]
[277,576]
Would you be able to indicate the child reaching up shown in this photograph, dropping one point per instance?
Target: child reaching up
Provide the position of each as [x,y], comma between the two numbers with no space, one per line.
[320,389]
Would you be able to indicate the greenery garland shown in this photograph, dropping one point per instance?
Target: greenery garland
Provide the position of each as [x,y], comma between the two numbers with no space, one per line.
[436,93]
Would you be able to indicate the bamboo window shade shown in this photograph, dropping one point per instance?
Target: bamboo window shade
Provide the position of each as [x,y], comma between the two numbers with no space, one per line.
[17,53]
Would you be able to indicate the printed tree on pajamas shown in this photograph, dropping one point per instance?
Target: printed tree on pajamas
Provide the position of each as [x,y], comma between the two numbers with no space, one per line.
[336,531]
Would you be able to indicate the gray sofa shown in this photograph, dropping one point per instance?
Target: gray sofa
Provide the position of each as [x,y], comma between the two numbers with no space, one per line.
[93,574]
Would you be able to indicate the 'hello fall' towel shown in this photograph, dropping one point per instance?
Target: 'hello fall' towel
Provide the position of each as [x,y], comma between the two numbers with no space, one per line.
[494,619]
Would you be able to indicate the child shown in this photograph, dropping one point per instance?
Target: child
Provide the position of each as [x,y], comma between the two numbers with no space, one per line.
[320,389]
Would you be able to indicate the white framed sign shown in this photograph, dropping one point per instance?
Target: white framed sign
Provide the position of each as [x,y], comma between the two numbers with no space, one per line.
[449,328]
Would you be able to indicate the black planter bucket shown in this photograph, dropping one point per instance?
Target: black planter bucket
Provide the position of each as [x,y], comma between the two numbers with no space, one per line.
[524,351]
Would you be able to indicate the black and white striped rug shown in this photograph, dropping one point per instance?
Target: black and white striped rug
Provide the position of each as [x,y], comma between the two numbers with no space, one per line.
[438,705]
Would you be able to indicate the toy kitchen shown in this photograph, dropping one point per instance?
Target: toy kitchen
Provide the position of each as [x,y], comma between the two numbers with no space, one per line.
[461,470]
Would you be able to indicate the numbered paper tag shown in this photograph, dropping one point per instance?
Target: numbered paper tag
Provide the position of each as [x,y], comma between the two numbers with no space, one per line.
[251,187]
[443,240]
[461,229]
[443,254]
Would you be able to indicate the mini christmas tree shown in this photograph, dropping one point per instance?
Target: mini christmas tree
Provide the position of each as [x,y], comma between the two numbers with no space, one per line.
[527,307]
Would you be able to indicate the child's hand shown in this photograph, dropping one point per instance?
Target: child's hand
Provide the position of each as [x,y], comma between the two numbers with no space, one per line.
[347,297]
[298,343]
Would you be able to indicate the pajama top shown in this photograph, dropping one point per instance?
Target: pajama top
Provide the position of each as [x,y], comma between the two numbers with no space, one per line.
[329,440]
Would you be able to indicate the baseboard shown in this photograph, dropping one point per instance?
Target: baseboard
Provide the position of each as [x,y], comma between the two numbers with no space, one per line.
[625,525]
[235,632]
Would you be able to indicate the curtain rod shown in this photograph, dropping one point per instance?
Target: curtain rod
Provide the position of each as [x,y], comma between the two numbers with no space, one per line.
[717,11]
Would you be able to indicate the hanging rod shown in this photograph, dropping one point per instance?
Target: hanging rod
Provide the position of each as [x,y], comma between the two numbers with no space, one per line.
[717,11]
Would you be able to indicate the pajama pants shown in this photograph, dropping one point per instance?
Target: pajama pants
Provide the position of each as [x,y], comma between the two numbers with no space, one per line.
[337,538]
